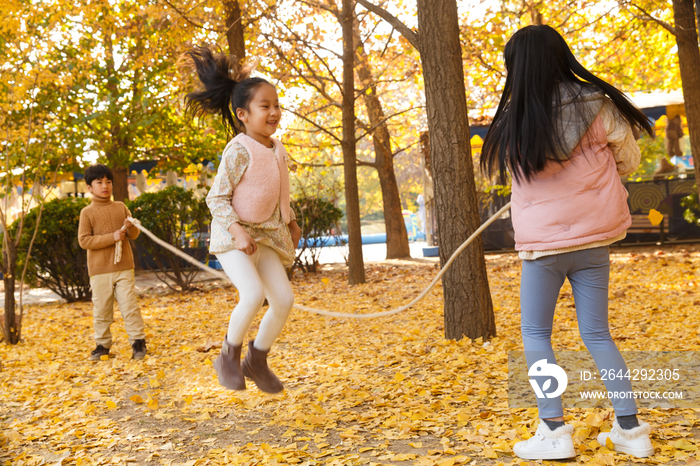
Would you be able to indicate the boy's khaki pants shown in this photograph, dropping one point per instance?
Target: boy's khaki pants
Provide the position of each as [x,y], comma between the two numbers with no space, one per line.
[105,287]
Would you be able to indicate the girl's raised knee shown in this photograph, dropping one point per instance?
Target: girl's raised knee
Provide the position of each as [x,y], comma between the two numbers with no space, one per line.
[282,303]
[252,297]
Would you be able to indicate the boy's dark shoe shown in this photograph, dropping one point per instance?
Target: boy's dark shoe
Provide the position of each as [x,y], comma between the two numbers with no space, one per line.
[139,349]
[98,352]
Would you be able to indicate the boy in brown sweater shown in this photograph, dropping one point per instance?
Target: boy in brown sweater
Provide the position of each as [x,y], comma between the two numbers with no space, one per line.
[102,225]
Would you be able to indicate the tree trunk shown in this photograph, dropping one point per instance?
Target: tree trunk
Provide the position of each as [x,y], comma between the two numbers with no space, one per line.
[689,61]
[535,13]
[352,212]
[120,184]
[234,29]
[118,140]
[396,235]
[468,306]
[428,190]
[9,260]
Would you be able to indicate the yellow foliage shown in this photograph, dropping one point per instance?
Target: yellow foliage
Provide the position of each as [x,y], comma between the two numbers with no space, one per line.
[357,391]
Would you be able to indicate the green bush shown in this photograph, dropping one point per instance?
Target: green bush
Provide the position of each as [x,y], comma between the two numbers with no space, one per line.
[57,261]
[177,217]
[691,214]
[652,150]
[317,218]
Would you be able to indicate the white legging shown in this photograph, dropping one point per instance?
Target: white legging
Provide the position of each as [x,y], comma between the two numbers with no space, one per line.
[256,277]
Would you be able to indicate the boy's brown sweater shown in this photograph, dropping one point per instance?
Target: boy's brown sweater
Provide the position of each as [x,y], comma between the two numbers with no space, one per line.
[98,222]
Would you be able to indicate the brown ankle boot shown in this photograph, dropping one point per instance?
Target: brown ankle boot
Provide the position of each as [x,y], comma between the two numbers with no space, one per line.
[255,367]
[228,367]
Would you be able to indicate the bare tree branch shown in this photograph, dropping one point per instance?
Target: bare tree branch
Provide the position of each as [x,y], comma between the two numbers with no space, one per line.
[409,34]
[586,25]
[253,20]
[371,129]
[303,58]
[360,163]
[329,8]
[300,74]
[649,16]
[313,123]
[36,230]
[24,161]
[403,149]
[184,16]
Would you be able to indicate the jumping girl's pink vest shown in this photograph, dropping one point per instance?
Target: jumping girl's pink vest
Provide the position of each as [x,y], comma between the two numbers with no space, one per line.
[577,202]
[264,183]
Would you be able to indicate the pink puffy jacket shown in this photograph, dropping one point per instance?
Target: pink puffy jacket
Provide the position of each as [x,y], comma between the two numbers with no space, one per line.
[577,202]
[265,182]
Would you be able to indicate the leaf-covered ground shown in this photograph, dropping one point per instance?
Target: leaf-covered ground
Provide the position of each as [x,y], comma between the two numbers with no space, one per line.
[382,391]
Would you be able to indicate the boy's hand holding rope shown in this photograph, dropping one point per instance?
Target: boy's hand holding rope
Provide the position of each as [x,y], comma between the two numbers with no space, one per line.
[322,312]
[118,244]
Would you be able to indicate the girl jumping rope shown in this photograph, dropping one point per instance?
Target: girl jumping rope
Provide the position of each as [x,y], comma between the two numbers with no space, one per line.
[566,137]
[253,230]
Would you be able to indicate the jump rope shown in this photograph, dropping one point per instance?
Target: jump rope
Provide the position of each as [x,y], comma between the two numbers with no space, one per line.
[323,312]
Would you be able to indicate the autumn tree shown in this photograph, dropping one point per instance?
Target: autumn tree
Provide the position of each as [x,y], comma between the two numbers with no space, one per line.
[123,103]
[235,22]
[631,53]
[356,268]
[29,152]
[306,58]
[396,235]
[468,305]
[685,31]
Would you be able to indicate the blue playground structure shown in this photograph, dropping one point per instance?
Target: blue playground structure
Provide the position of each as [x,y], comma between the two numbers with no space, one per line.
[410,220]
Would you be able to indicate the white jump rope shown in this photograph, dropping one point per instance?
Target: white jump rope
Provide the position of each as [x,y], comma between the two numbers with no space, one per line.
[223,276]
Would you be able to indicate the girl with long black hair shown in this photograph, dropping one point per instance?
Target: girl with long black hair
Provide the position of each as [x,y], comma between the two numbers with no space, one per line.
[566,136]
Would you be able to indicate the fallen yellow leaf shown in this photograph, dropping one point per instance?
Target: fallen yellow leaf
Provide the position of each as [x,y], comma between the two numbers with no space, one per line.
[593,420]
[655,217]
[609,444]
[683,444]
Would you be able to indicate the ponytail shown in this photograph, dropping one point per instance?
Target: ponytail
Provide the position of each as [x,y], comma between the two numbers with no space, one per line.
[225,86]
[217,87]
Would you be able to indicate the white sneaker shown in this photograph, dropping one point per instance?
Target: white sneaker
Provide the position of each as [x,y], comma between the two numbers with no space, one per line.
[547,444]
[634,442]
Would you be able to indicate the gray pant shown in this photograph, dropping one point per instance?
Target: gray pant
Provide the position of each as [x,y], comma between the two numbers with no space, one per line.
[588,272]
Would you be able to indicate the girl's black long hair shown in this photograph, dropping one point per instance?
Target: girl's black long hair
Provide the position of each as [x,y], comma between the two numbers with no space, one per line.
[523,134]
[220,93]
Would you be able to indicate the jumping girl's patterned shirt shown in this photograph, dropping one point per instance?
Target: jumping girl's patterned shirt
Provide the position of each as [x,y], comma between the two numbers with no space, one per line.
[273,232]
